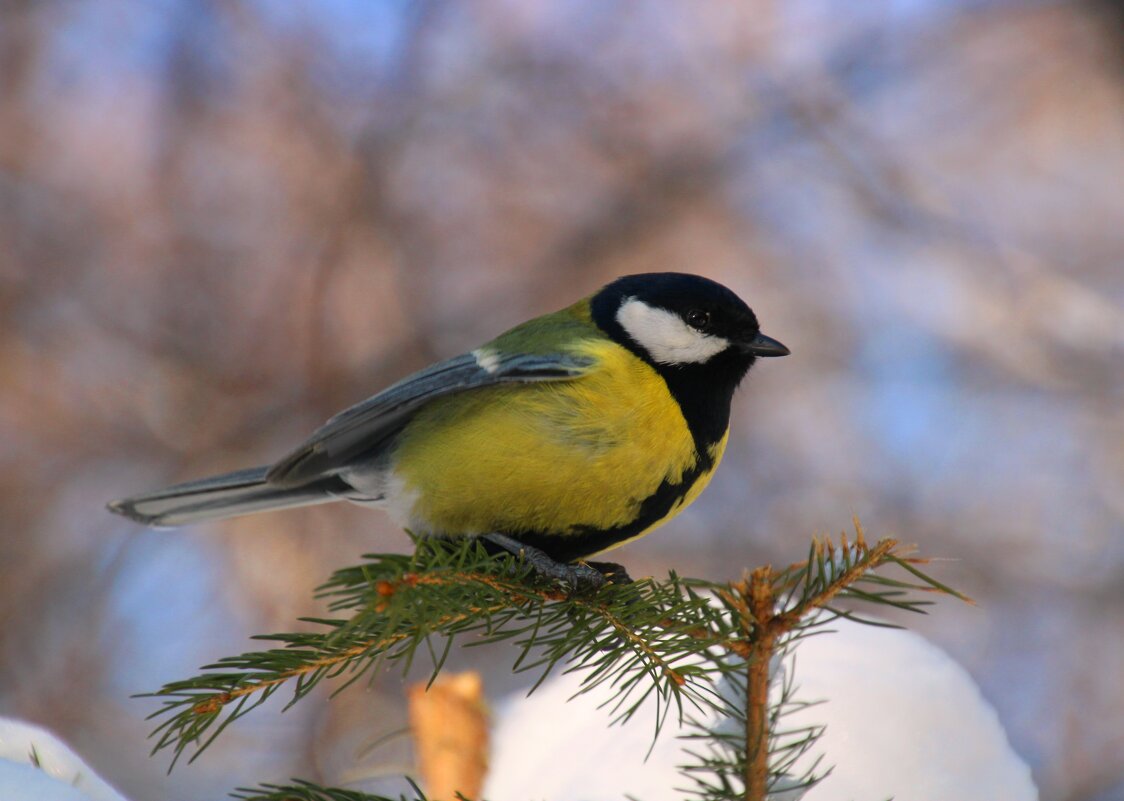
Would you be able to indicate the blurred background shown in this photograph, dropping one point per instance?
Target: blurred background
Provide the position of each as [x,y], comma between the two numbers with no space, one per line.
[221,221]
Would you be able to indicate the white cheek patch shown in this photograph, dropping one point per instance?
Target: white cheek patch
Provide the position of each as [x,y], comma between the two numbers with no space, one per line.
[665,336]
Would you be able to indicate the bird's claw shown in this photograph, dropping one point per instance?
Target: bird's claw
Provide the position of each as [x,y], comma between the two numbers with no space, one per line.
[579,578]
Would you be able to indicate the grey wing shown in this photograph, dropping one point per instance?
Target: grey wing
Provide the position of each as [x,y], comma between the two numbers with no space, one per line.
[369,425]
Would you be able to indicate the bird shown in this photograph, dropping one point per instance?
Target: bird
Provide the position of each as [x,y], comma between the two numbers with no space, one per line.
[562,438]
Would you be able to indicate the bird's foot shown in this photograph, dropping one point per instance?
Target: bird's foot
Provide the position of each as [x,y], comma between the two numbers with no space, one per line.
[613,573]
[578,578]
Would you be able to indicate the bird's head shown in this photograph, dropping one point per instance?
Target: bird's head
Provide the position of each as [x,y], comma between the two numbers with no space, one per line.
[675,320]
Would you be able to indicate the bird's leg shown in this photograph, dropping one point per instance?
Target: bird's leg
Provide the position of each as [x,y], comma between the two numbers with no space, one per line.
[578,578]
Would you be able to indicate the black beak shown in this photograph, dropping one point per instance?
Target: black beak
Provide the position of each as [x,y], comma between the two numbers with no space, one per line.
[762,345]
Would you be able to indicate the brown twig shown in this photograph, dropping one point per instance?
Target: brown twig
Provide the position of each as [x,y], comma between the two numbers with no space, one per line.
[385,589]
[754,601]
[763,634]
[449,720]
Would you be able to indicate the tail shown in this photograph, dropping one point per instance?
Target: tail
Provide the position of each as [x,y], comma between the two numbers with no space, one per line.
[228,495]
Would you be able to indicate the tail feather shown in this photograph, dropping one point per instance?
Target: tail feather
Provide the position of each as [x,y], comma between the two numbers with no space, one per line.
[228,495]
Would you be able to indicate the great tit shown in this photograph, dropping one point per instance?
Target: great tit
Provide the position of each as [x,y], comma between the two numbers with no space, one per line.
[568,435]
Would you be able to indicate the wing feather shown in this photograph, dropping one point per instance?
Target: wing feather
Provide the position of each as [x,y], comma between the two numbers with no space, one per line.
[369,425]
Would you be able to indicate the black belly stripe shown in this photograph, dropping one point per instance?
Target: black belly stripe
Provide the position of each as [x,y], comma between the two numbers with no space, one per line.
[578,542]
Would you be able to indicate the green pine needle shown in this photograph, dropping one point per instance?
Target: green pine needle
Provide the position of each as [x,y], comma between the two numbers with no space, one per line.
[307,791]
[639,638]
[693,647]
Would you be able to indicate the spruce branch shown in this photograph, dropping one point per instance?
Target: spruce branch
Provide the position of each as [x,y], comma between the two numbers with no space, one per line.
[643,638]
[712,652]
[307,791]
[757,604]
[749,754]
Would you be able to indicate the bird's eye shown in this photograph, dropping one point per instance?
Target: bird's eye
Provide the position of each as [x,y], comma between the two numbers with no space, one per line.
[698,319]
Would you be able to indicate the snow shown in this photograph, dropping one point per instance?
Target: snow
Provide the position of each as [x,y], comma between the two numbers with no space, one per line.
[60,775]
[903,720]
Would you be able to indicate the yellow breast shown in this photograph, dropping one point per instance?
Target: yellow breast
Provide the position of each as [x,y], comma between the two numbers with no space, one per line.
[548,457]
